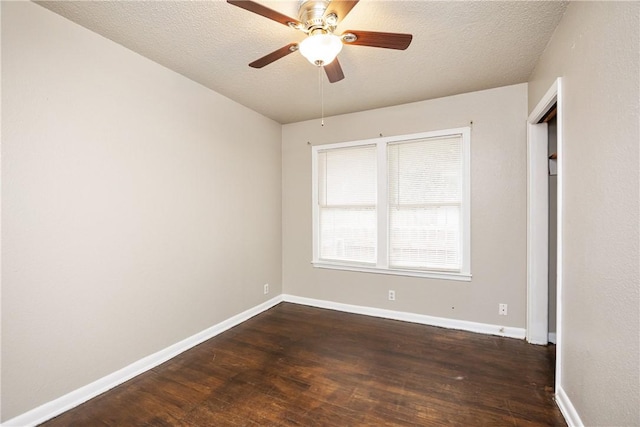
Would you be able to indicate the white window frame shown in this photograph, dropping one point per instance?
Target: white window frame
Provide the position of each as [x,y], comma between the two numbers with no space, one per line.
[382,210]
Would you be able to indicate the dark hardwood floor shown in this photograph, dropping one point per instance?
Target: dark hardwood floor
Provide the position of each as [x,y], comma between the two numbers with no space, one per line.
[300,366]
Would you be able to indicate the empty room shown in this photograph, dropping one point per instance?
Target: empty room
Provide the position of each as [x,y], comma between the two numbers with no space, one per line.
[327,213]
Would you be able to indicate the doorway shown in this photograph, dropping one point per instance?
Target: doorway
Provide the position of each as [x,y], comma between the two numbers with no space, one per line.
[552,150]
[544,223]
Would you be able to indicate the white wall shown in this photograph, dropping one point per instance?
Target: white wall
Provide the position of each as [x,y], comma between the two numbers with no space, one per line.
[128,223]
[595,50]
[498,210]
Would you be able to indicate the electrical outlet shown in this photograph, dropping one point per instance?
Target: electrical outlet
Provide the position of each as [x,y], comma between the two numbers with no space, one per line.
[502,309]
[392,295]
[266,288]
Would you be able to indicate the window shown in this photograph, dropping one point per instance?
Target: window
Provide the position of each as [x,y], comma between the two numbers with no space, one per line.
[396,205]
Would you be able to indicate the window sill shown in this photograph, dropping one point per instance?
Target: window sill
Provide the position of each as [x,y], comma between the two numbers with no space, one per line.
[462,277]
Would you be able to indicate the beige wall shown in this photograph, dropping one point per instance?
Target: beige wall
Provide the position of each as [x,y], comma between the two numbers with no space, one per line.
[127,222]
[498,211]
[595,50]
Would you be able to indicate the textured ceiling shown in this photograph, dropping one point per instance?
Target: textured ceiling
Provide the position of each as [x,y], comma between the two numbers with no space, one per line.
[457,47]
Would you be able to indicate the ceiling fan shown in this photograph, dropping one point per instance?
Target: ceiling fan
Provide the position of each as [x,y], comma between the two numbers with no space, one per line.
[319,19]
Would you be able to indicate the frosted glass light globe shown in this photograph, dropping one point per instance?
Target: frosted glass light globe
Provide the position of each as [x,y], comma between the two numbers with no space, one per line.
[320,49]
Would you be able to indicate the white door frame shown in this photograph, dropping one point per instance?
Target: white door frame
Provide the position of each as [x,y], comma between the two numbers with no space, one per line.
[538,224]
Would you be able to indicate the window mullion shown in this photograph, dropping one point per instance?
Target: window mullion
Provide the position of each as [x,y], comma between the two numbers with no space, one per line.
[466,200]
[383,208]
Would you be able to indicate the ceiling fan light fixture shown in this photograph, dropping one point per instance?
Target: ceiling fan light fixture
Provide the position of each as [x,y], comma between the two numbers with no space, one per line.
[321,49]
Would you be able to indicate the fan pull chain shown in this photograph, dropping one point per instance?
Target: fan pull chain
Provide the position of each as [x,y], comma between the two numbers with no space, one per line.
[320,80]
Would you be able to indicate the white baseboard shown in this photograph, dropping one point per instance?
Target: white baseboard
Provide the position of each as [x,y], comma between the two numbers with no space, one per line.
[568,410]
[483,328]
[552,338]
[71,400]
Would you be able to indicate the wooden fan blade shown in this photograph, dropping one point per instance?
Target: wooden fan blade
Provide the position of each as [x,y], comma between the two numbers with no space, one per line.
[274,56]
[340,7]
[334,71]
[259,9]
[384,40]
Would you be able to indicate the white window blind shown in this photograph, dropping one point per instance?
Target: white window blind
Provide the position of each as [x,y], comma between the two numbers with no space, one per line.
[347,204]
[394,205]
[425,197]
